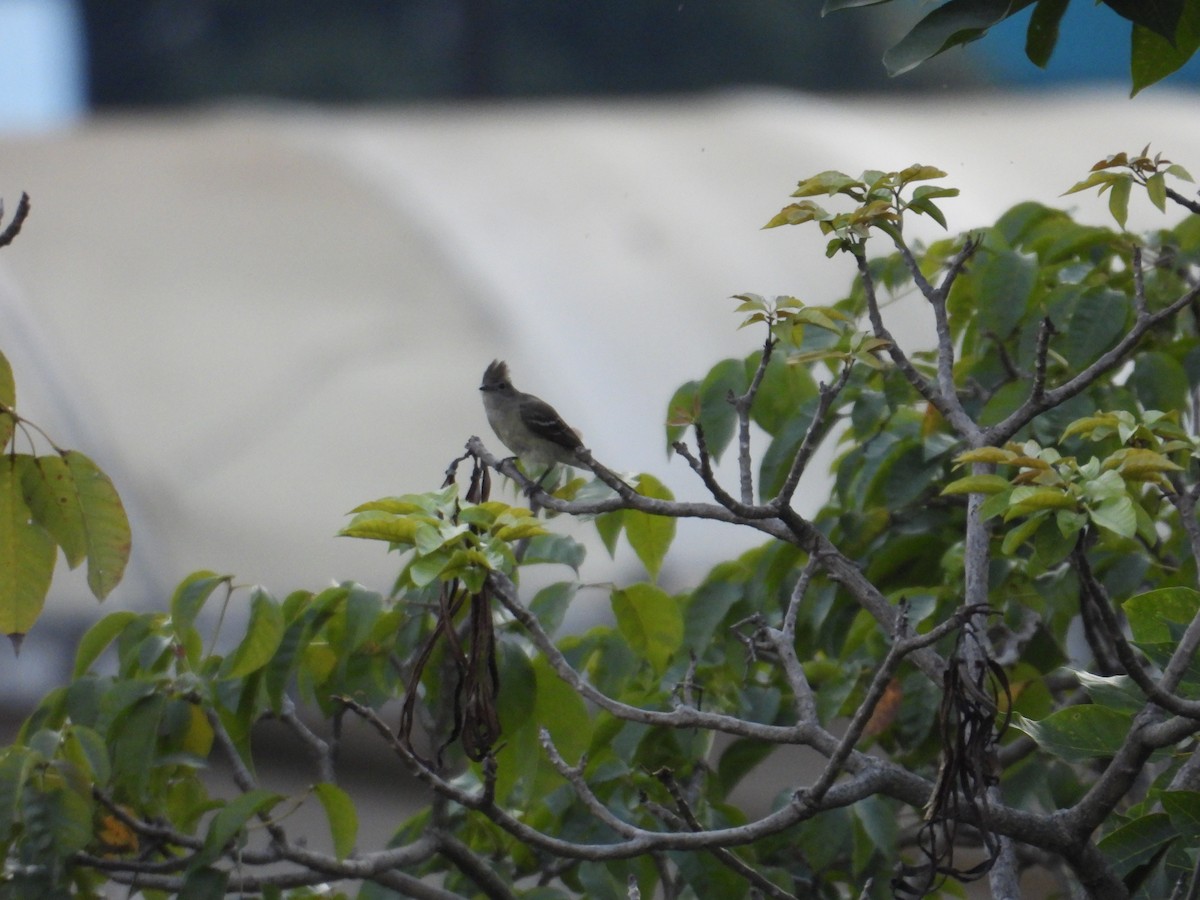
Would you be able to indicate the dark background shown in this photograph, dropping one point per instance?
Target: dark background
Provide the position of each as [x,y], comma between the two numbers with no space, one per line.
[153,52]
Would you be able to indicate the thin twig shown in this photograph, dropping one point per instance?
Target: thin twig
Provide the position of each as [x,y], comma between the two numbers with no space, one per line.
[320,751]
[743,404]
[727,858]
[817,429]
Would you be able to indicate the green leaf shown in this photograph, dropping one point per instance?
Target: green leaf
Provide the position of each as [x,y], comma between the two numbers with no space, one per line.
[1156,189]
[1149,613]
[1022,533]
[16,763]
[784,390]
[1027,499]
[834,5]
[342,816]
[1117,515]
[949,25]
[85,749]
[376,525]
[717,415]
[780,454]
[1079,733]
[682,412]
[1184,809]
[1136,843]
[26,556]
[190,596]
[1097,320]
[136,715]
[608,526]
[1042,33]
[562,712]
[550,604]
[561,549]
[1114,691]
[918,172]
[650,535]
[204,883]
[226,824]
[57,818]
[1159,381]
[104,521]
[650,621]
[1118,199]
[977,484]
[8,397]
[738,761]
[828,183]
[1160,16]
[707,607]
[1006,281]
[1157,47]
[50,494]
[263,634]
[97,638]
[1102,179]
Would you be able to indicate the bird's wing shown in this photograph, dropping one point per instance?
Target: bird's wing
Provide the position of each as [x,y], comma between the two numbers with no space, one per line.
[543,421]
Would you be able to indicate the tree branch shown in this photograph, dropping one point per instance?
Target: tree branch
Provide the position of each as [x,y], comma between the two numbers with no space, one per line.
[952,412]
[743,405]
[1033,407]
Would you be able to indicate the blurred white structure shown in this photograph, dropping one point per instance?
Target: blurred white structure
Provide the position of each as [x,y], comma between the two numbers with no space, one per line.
[256,318]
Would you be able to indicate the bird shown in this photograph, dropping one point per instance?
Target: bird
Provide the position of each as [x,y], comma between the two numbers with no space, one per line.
[527,425]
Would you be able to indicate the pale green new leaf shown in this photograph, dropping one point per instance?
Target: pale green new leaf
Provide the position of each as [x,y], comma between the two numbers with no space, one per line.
[828,183]
[920,172]
[377,525]
[1023,532]
[562,712]
[995,455]
[977,484]
[1026,500]
[650,621]
[1118,200]
[1117,515]
[650,536]
[1102,179]
[1156,187]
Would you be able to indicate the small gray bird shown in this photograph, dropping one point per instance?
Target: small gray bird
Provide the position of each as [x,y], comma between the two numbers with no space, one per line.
[525,424]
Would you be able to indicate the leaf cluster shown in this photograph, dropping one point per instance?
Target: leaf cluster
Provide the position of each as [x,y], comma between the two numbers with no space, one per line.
[58,500]
[1164,34]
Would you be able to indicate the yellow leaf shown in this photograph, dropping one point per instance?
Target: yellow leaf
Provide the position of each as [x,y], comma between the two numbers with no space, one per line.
[116,837]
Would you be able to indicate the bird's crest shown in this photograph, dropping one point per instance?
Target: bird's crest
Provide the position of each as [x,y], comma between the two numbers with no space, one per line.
[496,374]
